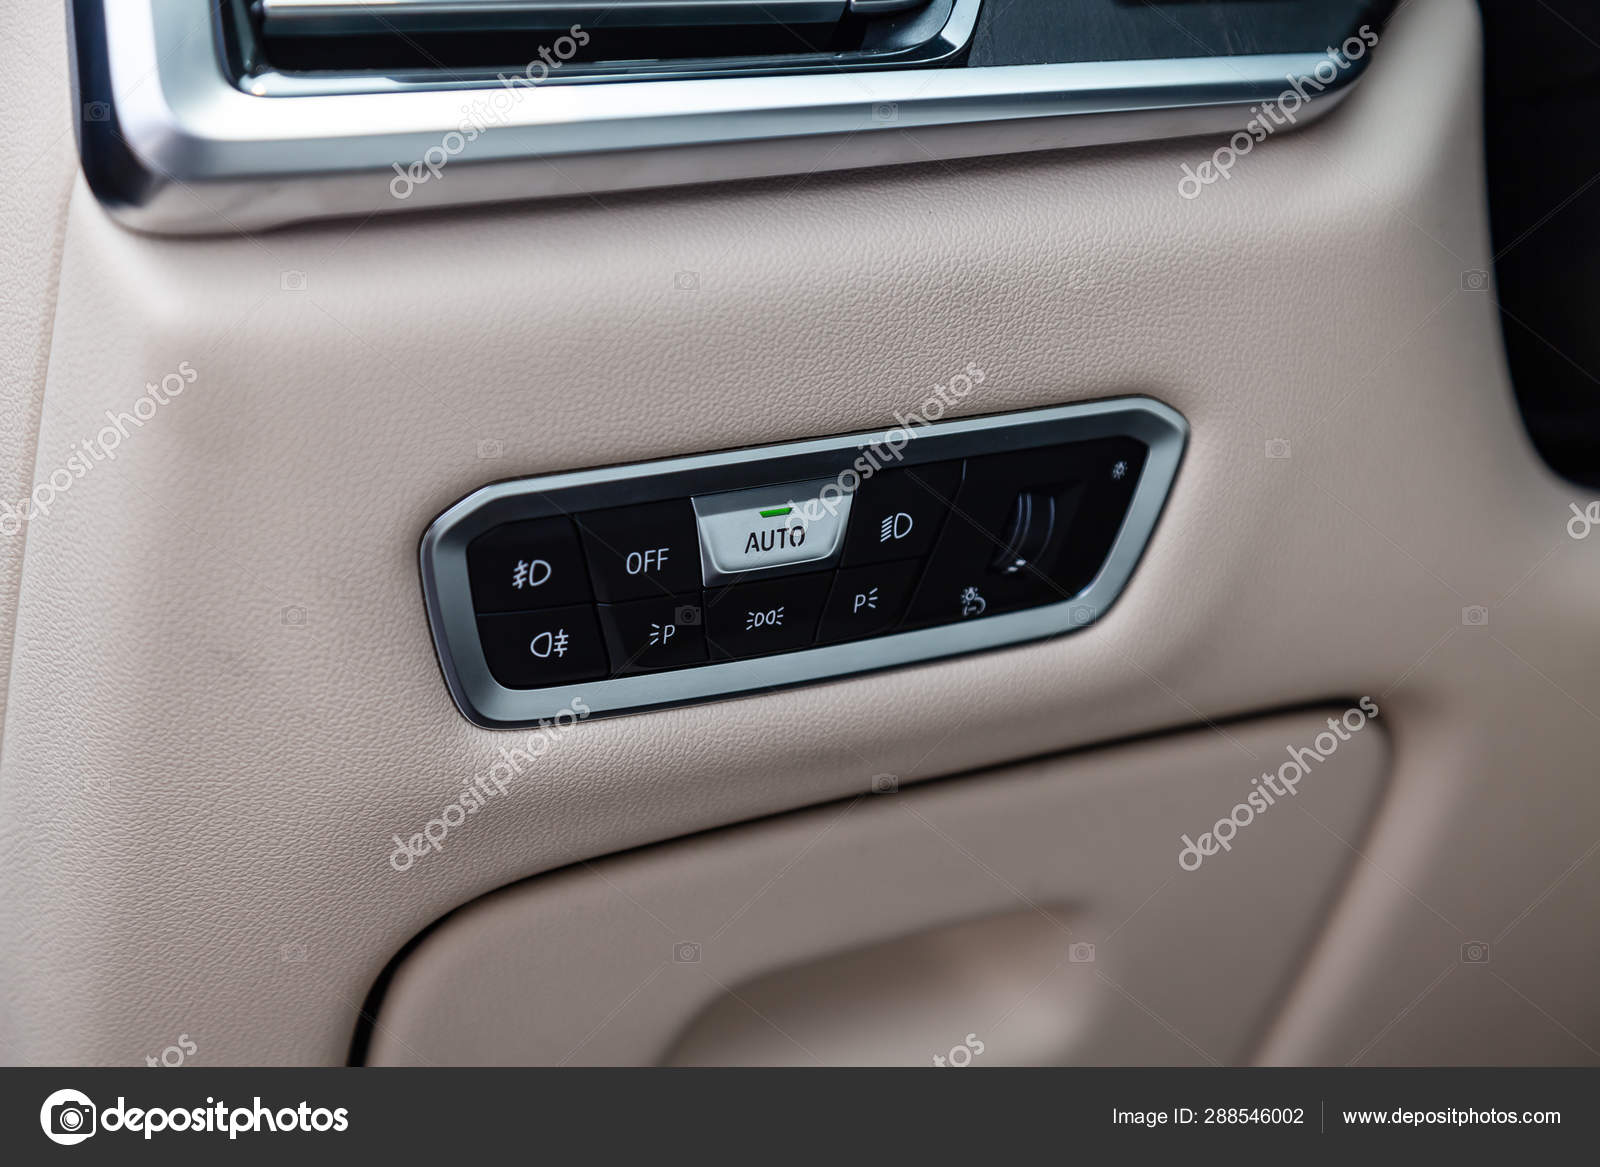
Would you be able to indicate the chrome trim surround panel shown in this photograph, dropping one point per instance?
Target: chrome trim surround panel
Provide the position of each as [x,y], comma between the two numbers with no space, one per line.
[485,702]
[171,145]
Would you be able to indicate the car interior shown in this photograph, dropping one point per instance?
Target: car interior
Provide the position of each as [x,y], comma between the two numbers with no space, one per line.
[800,533]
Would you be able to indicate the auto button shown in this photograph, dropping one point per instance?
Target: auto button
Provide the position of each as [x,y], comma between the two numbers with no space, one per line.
[770,526]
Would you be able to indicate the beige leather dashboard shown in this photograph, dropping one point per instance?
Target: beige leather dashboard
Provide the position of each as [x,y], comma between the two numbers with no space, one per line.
[1015,904]
[223,702]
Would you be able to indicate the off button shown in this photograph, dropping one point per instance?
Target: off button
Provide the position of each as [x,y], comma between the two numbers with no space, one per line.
[642,552]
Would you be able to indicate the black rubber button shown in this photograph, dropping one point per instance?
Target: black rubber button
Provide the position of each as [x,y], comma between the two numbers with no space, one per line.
[777,615]
[896,514]
[530,650]
[644,551]
[867,601]
[664,633]
[534,564]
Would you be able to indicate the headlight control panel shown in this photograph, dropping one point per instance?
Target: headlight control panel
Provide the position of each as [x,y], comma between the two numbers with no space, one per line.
[637,587]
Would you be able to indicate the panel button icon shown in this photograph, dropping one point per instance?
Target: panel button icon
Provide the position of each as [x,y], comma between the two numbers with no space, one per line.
[769,616]
[866,601]
[662,633]
[530,650]
[534,564]
[898,513]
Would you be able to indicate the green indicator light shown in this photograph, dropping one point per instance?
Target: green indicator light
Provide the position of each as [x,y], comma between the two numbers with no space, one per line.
[776,512]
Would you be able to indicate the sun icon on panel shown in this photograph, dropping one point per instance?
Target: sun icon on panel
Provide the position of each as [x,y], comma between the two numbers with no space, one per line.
[1120,470]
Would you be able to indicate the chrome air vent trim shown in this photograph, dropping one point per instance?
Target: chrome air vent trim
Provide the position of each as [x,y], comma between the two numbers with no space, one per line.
[947,42]
[336,17]
[170,145]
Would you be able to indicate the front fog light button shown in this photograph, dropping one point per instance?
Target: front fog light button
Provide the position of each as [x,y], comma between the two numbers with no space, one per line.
[778,526]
